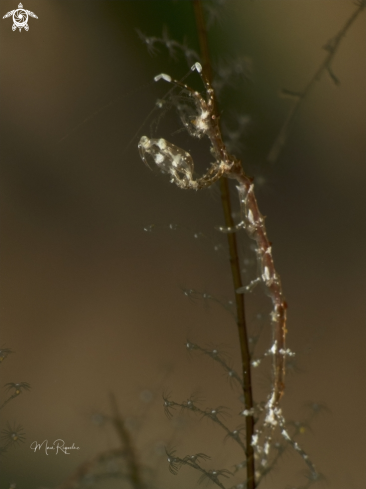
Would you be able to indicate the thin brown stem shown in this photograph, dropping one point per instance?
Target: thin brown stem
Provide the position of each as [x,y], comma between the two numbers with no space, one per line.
[235,268]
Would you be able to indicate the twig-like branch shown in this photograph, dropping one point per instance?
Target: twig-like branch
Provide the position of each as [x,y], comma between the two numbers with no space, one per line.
[8,400]
[171,45]
[175,463]
[18,389]
[84,469]
[298,97]
[213,414]
[234,262]
[214,354]
[127,445]
[205,296]
[4,352]
[126,452]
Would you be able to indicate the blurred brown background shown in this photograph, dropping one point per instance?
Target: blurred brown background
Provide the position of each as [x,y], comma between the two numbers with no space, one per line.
[91,303]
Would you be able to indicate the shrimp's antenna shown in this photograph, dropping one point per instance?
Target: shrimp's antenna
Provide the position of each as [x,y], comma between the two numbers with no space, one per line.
[101,109]
[152,111]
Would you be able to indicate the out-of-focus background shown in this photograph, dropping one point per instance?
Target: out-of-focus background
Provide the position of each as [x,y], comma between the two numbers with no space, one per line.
[92,304]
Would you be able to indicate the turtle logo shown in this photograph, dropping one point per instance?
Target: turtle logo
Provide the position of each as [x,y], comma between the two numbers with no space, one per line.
[20,18]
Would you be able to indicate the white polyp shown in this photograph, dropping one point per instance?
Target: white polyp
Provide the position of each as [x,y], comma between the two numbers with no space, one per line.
[176,160]
[286,435]
[200,124]
[250,287]
[266,448]
[144,142]
[287,352]
[274,316]
[266,274]
[163,76]
[224,165]
[161,143]
[274,348]
[251,217]
[247,412]
[159,158]
[271,411]
[254,440]
[198,67]
[243,194]
[270,418]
